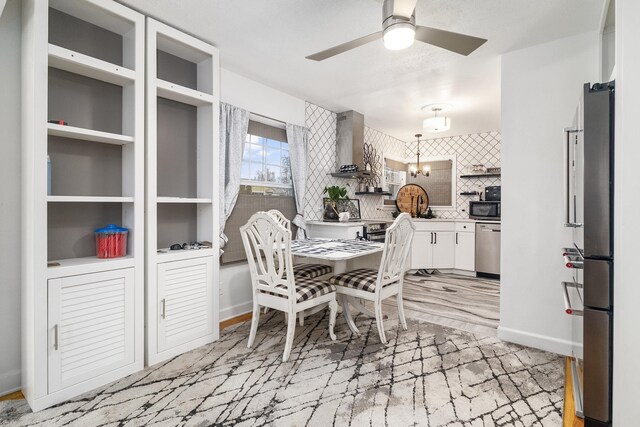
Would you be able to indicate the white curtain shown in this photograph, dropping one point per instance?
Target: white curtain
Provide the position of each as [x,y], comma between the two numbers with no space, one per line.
[298,139]
[234,123]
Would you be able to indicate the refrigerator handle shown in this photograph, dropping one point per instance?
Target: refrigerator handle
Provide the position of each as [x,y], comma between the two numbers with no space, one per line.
[569,200]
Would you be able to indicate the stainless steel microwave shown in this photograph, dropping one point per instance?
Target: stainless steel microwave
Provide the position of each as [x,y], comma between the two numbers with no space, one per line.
[485,210]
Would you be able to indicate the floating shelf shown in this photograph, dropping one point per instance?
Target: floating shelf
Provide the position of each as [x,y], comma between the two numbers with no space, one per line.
[182,94]
[469,193]
[84,65]
[351,175]
[76,266]
[88,199]
[482,175]
[373,193]
[183,200]
[87,134]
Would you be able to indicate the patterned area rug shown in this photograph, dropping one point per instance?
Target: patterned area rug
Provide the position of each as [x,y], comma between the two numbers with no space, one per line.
[461,302]
[427,376]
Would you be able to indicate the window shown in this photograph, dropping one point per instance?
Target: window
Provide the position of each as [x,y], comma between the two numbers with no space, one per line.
[265,183]
[440,184]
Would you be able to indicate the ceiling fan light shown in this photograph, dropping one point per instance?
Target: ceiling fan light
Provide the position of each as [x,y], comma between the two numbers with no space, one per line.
[399,36]
[436,124]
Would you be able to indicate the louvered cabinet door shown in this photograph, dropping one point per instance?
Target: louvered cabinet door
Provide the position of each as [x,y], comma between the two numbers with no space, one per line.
[91,326]
[185,294]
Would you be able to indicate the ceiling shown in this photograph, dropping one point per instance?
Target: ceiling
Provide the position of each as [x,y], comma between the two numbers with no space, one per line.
[267,41]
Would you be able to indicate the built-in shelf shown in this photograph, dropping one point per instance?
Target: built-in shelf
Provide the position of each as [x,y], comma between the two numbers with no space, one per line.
[88,199]
[166,254]
[87,134]
[351,175]
[182,94]
[469,193]
[76,266]
[183,200]
[84,65]
[373,193]
[482,175]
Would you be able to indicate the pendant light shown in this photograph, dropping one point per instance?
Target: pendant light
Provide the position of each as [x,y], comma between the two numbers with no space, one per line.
[415,171]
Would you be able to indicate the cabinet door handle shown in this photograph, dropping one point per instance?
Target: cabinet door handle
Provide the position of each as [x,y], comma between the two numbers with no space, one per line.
[163,311]
[55,337]
[431,243]
[435,240]
[456,238]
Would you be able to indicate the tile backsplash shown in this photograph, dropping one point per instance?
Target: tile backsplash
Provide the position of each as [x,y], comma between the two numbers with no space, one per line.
[482,148]
[478,148]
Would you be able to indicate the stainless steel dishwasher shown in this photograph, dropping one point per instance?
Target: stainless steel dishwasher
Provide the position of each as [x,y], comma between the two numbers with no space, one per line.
[488,248]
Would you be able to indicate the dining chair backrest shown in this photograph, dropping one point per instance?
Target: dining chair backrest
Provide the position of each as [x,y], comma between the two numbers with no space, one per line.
[397,244]
[281,218]
[267,244]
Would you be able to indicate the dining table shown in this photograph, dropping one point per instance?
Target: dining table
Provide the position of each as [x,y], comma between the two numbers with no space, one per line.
[338,252]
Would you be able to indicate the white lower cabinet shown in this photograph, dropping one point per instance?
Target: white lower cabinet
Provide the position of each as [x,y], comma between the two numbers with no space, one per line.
[185,304]
[91,323]
[465,258]
[444,243]
[421,250]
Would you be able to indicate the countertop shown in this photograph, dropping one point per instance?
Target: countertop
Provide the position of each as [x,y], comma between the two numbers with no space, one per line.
[337,224]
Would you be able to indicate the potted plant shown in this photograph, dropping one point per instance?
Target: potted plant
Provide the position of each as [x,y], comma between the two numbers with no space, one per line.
[334,193]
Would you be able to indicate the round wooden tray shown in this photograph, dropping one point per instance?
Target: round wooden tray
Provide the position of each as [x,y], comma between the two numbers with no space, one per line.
[408,196]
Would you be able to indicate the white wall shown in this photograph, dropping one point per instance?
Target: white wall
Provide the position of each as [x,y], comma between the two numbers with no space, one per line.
[258,98]
[235,284]
[541,86]
[10,197]
[626,340]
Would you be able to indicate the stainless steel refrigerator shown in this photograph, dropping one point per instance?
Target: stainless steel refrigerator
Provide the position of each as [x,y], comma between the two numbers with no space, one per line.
[589,211]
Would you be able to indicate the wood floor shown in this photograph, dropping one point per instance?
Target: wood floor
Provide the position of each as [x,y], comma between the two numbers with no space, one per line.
[570,419]
[16,395]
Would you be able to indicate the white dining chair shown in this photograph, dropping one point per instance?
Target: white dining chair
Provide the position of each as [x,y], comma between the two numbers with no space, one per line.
[268,246]
[387,281]
[304,269]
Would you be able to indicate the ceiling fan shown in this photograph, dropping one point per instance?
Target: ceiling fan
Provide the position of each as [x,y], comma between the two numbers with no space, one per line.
[399,30]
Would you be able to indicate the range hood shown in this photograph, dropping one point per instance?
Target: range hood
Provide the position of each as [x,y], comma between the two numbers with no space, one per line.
[350,144]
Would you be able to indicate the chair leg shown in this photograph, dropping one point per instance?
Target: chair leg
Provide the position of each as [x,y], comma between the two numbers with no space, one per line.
[403,321]
[301,318]
[255,319]
[347,316]
[379,321]
[333,311]
[291,332]
[266,310]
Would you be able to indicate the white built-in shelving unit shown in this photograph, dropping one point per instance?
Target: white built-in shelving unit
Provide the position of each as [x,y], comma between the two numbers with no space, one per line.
[182,184]
[82,317]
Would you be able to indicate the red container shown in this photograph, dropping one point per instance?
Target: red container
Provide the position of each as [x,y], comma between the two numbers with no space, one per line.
[111,241]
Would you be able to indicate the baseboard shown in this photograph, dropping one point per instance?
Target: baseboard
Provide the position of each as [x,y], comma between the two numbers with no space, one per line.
[10,382]
[541,342]
[236,310]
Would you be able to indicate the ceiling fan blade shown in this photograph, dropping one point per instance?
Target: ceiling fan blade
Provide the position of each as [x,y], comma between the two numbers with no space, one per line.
[404,7]
[455,42]
[336,50]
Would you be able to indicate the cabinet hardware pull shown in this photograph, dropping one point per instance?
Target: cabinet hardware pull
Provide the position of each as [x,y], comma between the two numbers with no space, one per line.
[431,238]
[163,312]
[456,238]
[55,336]
[435,240]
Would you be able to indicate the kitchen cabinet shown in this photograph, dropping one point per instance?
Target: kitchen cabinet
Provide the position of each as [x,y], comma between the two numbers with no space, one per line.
[465,252]
[91,321]
[185,304]
[444,243]
[422,250]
